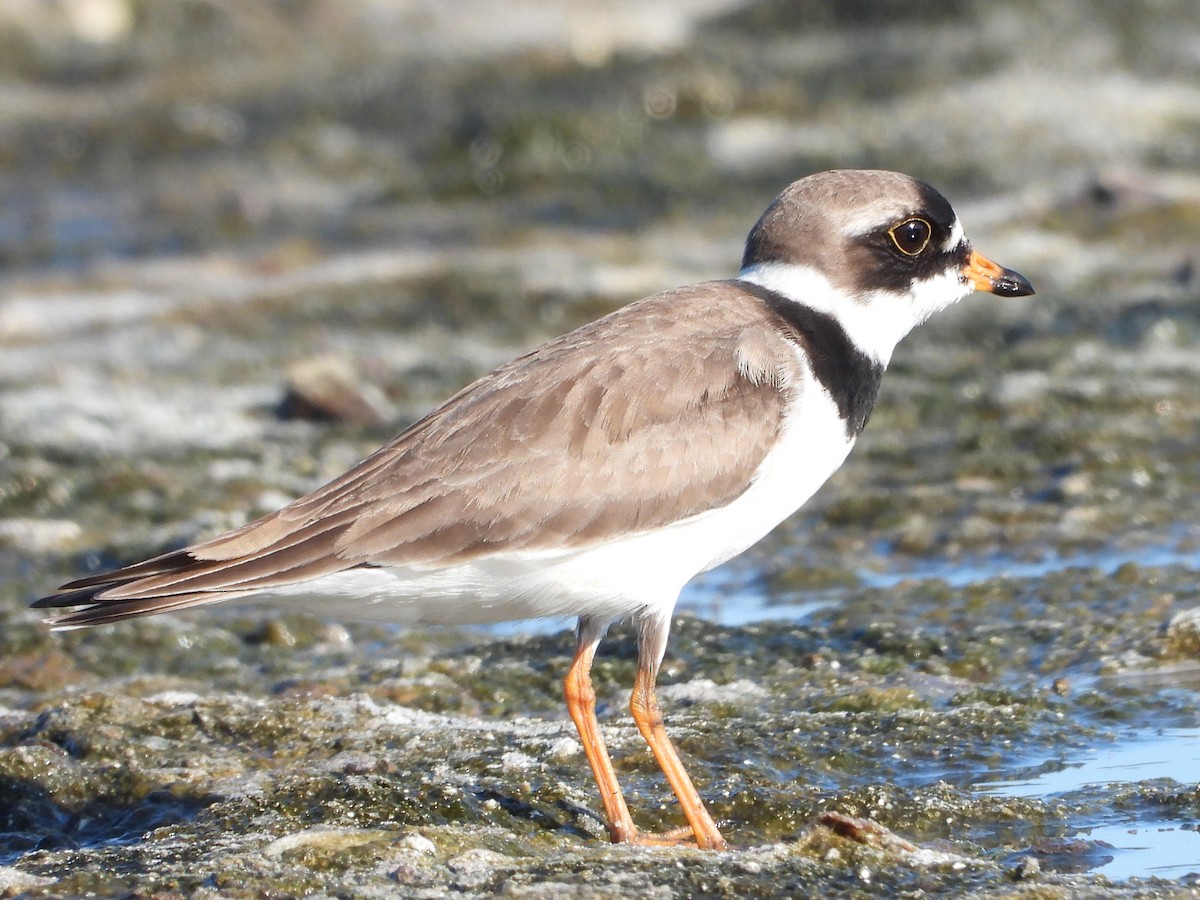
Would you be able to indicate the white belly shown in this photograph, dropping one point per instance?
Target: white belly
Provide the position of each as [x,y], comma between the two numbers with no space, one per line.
[645,571]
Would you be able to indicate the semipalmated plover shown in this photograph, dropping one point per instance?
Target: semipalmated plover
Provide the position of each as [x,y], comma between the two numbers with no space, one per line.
[597,474]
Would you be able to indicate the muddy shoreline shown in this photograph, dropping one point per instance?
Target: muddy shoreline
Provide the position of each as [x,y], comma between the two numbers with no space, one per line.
[209,214]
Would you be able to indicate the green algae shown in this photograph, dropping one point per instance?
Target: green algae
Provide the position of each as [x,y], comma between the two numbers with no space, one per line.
[831,727]
[851,718]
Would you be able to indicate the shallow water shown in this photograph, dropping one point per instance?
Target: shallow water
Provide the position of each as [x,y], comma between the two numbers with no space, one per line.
[961,573]
[1171,753]
[1148,849]
[1139,846]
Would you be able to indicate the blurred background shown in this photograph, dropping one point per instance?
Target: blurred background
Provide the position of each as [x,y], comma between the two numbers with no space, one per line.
[209,209]
[242,243]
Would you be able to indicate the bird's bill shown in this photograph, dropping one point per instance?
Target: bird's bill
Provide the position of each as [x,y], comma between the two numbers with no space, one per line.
[985,275]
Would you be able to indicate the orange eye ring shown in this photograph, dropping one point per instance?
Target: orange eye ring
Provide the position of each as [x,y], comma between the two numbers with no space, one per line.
[911,236]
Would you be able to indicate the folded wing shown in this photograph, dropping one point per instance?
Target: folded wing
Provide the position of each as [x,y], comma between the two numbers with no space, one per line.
[638,420]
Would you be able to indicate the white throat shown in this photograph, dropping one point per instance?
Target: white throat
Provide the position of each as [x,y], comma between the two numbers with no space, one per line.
[875,321]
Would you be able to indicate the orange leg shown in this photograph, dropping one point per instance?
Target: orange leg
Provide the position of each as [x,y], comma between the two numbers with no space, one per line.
[581,704]
[646,713]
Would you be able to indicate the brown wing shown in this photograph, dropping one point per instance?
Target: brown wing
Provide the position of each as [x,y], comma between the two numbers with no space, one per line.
[660,411]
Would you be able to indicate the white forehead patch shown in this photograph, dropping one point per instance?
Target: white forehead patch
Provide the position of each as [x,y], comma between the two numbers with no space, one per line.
[956,237]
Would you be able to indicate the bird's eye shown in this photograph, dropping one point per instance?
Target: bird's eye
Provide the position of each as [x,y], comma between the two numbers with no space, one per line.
[911,236]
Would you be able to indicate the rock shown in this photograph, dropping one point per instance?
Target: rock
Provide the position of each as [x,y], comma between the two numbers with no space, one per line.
[326,388]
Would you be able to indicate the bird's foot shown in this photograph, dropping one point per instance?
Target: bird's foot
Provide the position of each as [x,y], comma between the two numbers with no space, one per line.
[676,837]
